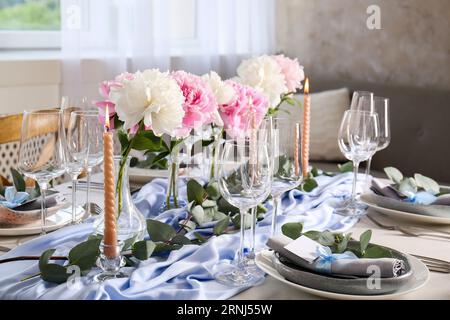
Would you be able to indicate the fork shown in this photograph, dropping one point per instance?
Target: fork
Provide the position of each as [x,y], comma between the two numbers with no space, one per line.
[434,264]
[410,230]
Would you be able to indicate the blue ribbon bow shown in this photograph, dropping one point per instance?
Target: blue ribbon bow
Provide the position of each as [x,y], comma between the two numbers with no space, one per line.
[326,258]
[13,198]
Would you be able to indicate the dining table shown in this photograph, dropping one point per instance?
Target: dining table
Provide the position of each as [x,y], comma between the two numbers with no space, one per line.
[437,287]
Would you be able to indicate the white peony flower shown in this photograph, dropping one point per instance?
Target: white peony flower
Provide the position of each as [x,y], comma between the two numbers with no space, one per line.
[223,92]
[265,75]
[152,96]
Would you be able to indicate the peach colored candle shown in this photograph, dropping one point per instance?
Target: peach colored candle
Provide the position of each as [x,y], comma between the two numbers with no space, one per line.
[306,129]
[296,162]
[110,232]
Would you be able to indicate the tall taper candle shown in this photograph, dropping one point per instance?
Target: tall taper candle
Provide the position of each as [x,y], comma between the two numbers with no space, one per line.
[110,230]
[306,129]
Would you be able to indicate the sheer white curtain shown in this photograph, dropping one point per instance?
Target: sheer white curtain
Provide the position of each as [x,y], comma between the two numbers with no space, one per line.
[101,38]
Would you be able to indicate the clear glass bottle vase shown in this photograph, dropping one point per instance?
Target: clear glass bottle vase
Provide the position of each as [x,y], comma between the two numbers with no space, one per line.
[172,200]
[130,222]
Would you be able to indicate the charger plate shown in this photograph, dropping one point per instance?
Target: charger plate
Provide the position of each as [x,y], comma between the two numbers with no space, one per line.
[58,220]
[418,279]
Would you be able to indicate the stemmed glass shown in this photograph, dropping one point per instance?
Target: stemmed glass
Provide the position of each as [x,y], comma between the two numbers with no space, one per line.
[85,143]
[41,154]
[285,152]
[244,179]
[381,107]
[358,140]
[362,100]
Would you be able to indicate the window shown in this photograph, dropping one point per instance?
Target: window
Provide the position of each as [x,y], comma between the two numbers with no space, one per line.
[29,24]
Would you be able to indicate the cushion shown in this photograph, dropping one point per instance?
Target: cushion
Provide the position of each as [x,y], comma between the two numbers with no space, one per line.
[327,109]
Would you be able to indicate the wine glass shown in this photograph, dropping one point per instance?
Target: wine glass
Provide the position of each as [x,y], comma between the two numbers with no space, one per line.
[87,143]
[381,107]
[285,152]
[357,139]
[244,179]
[73,167]
[362,100]
[41,153]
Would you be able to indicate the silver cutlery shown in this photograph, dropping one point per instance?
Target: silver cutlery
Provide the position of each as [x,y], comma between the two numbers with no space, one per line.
[434,264]
[92,208]
[412,231]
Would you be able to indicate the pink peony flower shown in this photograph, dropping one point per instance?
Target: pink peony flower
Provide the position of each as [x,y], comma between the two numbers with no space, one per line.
[104,89]
[292,71]
[236,113]
[200,103]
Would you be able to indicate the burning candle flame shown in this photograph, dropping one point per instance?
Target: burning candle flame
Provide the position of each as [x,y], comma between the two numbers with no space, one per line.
[107,118]
[306,91]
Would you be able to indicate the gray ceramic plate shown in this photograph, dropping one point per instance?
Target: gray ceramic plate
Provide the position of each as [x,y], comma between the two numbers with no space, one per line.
[412,216]
[418,279]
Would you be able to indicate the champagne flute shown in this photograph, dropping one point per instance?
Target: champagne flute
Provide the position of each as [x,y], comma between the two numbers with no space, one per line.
[41,153]
[357,139]
[245,178]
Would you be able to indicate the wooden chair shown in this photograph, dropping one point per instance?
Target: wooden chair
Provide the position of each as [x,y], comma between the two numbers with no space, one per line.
[10,134]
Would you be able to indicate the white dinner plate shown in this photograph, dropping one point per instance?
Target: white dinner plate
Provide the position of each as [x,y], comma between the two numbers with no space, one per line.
[60,219]
[411,217]
[419,278]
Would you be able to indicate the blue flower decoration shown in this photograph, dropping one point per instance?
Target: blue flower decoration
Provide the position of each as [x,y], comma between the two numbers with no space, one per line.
[13,198]
[422,197]
[326,258]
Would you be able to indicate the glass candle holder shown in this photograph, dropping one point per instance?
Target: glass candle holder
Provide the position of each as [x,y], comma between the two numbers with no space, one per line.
[110,264]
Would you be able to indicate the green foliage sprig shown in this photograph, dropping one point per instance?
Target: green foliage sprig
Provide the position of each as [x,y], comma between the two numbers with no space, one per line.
[411,185]
[339,242]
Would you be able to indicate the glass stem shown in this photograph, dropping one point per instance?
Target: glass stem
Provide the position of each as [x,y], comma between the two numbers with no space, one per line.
[355,179]
[74,199]
[88,187]
[369,162]
[242,239]
[43,188]
[276,204]
[253,213]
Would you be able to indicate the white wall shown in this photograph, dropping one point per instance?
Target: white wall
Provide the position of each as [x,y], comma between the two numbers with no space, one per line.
[28,84]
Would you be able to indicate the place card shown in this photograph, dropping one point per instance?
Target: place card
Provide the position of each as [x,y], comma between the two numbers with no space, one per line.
[304,248]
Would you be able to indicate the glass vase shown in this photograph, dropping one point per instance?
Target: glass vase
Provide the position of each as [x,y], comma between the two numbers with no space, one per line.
[131,223]
[172,200]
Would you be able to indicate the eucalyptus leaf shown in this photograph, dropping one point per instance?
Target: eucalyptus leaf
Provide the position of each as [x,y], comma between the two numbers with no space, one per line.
[85,254]
[164,247]
[45,257]
[209,214]
[128,243]
[292,230]
[159,231]
[427,184]
[221,226]
[364,240]
[142,250]
[219,216]
[180,239]
[407,187]
[376,252]
[394,174]
[226,207]
[209,203]
[312,234]
[326,238]
[198,214]
[54,273]
[342,245]
[345,167]
[213,191]
[315,172]
[309,185]
[187,225]
[199,237]
[236,219]
[18,180]
[195,191]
